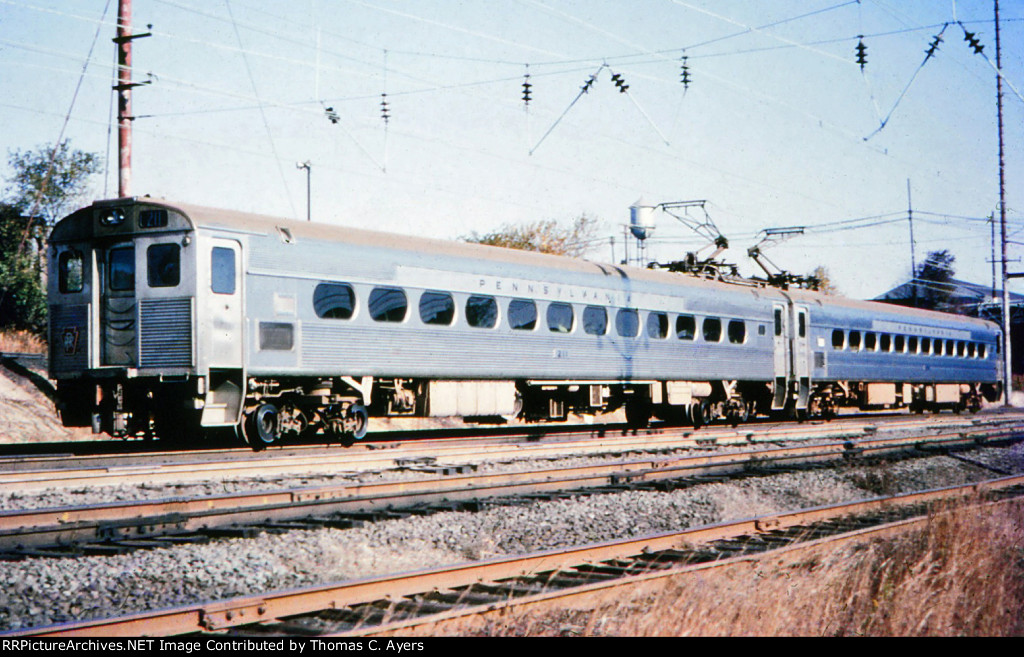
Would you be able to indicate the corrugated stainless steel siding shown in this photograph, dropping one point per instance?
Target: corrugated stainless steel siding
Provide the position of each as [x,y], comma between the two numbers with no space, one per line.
[486,354]
[69,338]
[165,333]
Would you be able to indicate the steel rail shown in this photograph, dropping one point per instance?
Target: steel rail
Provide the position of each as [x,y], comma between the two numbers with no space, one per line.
[103,524]
[438,452]
[536,435]
[238,611]
[611,590]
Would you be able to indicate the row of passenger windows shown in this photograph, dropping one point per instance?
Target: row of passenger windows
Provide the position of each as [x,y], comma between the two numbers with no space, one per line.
[885,342]
[389,304]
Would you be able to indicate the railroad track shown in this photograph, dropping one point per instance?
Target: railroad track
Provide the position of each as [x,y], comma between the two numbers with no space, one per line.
[111,528]
[407,601]
[29,473]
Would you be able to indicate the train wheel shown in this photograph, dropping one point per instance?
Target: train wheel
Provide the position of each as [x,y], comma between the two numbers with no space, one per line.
[357,421]
[697,415]
[261,427]
[737,412]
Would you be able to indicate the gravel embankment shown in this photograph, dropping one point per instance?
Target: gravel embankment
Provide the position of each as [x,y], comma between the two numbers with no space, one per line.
[43,591]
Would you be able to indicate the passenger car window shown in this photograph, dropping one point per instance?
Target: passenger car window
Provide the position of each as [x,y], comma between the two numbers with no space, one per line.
[686,327]
[334,301]
[838,339]
[737,331]
[870,341]
[595,320]
[122,268]
[481,312]
[222,270]
[70,271]
[388,304]
[899,342]
[627,323]
[778,321]
[912,344]
[886,342]
[522,314]
[163,265]
[437,308]
[657,326]
[854,340]
[560,317]
[712,329]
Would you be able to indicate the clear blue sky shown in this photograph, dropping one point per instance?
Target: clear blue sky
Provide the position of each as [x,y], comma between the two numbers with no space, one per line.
[777,128]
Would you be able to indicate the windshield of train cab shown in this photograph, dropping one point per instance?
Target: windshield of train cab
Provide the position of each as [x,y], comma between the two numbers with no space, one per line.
[122,268]
[163,265]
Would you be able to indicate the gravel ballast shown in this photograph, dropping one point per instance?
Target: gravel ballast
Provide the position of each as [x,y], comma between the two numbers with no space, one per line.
[37,592]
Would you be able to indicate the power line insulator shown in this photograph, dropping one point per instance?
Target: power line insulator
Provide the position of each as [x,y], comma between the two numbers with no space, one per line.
[933,46]
[588,84]
[862,53]
[385,108]
[332,116]
[620,82]
[526,89]
[684,73]
[972,39]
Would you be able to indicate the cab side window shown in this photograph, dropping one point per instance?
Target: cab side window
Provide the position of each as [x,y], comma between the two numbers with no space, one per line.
[70,271]
[222,270]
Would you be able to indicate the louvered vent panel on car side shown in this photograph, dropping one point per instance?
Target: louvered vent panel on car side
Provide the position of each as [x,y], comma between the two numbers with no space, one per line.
[166,333]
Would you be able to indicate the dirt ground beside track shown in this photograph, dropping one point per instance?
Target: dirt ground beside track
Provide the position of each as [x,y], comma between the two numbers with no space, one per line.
[27,414]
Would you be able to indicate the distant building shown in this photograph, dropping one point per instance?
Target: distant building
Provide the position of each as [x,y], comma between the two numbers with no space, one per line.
[964,298]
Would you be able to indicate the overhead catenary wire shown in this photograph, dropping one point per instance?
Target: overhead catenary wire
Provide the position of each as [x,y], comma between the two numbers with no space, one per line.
[263,114]
[56,146]
[799,109]
[583,90]
[60,137]
[913,77]
[539,73]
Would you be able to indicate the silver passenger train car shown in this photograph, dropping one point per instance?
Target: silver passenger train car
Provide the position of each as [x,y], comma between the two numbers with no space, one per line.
[170,319]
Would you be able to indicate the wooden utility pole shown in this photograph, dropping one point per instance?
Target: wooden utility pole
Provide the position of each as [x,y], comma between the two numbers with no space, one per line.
[124,96]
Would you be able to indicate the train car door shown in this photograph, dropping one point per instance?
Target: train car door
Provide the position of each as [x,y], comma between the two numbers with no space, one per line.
[118,306]
[223,305]
[782,357]
[801,355]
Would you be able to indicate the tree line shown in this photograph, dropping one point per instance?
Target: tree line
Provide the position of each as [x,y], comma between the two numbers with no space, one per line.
[45,184]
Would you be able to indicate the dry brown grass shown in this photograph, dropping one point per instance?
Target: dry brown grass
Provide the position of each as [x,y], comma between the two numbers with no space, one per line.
[21,342]
[962,576]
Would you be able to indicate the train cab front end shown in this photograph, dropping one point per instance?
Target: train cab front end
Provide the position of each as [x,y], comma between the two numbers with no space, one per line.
[121,292]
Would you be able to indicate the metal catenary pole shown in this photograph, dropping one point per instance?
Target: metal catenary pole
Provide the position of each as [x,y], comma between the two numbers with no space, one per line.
[1007,364]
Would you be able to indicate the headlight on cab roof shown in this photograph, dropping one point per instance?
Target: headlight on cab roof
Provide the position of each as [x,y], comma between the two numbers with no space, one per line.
[112,217]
